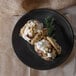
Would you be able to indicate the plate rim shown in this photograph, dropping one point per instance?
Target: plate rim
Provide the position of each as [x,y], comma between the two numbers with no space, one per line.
[55,12]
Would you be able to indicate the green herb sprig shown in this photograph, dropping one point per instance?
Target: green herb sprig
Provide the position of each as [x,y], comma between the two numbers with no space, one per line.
[49,22]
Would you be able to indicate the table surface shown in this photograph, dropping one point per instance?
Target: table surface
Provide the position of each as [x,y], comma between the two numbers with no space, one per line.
[10,65]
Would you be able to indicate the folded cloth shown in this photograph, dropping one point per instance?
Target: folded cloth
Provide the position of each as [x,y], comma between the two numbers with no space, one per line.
[11,7]
[17,7]
[54,4]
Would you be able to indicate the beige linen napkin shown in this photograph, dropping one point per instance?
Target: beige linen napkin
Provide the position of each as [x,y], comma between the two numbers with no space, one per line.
[10,65]
[54,4]
[16,7]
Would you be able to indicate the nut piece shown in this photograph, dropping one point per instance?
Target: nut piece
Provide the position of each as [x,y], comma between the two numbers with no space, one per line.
[54,44]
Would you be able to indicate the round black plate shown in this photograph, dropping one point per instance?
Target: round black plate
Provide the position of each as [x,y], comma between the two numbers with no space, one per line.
[63,35]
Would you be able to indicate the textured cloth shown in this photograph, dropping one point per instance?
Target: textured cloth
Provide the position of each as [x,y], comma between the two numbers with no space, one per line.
[54,4]
[10,65]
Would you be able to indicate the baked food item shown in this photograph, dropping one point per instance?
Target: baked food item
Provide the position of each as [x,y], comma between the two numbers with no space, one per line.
[39,36]
[30,29]
[47,48]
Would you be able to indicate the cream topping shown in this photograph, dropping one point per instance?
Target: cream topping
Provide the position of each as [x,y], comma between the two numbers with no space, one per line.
[43,46]
[31,27]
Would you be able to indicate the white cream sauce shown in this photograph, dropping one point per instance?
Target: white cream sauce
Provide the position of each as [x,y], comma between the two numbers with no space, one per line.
[31,24]
[43,46]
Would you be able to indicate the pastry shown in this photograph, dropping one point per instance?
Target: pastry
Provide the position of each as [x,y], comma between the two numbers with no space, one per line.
[30,29]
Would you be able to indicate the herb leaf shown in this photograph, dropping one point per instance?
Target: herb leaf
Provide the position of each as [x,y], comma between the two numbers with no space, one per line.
[49,22]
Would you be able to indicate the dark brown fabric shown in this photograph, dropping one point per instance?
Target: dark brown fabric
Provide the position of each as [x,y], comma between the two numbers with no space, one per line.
[54,4]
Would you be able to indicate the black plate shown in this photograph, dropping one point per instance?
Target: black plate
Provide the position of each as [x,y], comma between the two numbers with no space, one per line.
[63,35]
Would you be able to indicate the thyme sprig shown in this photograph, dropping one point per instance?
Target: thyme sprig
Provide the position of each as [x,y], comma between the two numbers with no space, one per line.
[49,22]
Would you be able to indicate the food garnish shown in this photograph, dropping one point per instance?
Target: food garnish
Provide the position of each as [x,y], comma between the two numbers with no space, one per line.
[41,38]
